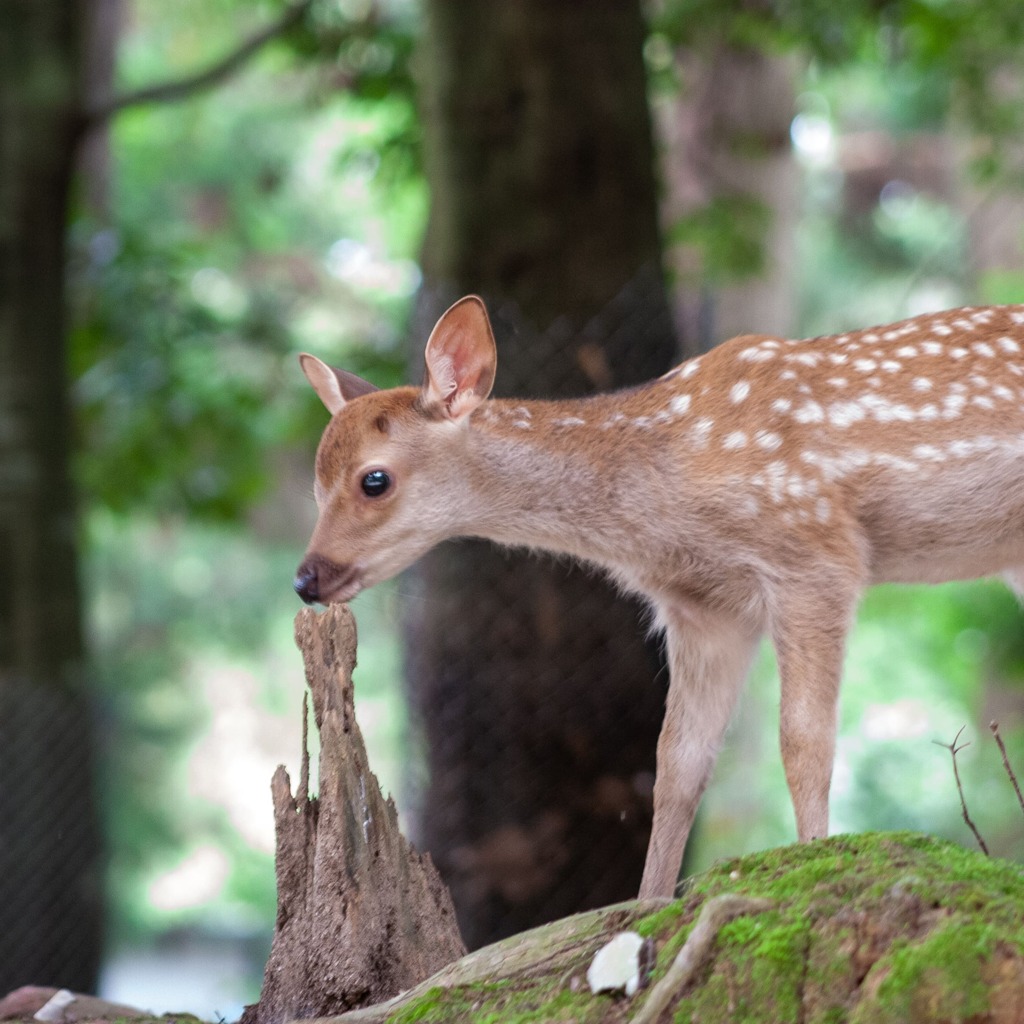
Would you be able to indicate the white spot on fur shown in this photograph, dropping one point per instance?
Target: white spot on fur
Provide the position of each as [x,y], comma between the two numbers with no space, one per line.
[1008,345]
[701,430]
[891,366]
[739,391]
[865,365]
[757,354]
[984,349]
[835,467]
[882,409]
[787,375]
[837,358]
[1001,391]
[932,348]
[921,384]
[906,351]
[845,414]
[775,474]
[823,510]
[809,412]
[983,402]
[782,405]
[680,404]
[942,329]
[689,369]
[958,353]
[737,439]
[569,421]
[767,440]
[804,358]
[952,406]
[838,382]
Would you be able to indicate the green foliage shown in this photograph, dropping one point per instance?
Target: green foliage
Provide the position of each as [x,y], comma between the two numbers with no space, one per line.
[200,689]
[284,212]
[950,54]
[727,234]
[216,268]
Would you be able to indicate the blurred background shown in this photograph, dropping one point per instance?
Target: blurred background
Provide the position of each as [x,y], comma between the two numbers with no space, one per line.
[192,193]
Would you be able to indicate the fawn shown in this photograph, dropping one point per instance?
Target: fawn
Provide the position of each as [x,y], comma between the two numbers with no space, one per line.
[757,488]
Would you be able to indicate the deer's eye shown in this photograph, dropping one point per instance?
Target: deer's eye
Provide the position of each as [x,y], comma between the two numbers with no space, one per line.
[375,483]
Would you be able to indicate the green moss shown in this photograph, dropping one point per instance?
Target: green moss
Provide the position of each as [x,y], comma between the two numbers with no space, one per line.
[944,969]
[880,928]
[502,1002]
[427,1007]
[660,921]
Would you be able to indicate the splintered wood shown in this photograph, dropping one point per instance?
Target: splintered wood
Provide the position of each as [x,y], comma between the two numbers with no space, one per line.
[360,914]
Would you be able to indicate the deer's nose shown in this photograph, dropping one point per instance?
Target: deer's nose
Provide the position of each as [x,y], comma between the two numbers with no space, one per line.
[307,582]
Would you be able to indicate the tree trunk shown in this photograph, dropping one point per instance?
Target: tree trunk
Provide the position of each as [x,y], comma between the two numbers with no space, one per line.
[538,697]
[50,879]
[361,916]
[726,141]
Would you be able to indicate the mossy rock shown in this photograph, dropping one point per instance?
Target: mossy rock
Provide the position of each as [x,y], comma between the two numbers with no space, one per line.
[880,928]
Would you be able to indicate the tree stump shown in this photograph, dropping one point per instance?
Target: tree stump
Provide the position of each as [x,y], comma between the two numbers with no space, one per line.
[361,915]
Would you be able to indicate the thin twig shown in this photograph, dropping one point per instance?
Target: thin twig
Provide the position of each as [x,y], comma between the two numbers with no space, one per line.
[179,88]
[994,728]
[714,914]
[954,750]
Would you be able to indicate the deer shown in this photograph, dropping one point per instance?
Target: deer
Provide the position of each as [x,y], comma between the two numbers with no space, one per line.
[756,489]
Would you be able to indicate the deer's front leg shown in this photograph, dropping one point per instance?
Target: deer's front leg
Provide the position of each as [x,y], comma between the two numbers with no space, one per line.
[809,634]
[709,657]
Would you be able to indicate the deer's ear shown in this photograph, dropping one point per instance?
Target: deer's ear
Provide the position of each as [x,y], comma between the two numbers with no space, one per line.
[335,387]
[461,359]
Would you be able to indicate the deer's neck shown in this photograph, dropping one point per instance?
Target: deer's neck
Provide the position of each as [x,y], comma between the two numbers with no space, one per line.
[561,476]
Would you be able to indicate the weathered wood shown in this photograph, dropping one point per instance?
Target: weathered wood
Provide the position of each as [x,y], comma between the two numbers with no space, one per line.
[360,914]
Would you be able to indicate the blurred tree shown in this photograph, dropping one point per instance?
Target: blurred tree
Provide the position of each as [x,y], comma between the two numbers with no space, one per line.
[56,68]
[539,697]
[50,871]
[732,191]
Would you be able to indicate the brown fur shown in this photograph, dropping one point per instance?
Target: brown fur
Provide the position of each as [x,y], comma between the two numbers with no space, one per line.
[757,489]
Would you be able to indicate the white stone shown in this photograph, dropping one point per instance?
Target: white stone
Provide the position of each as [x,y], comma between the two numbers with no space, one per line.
[616,965]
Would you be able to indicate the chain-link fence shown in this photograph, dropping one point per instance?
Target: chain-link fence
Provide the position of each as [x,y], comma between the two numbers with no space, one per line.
[536,699]
[536,690]
[50,869]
